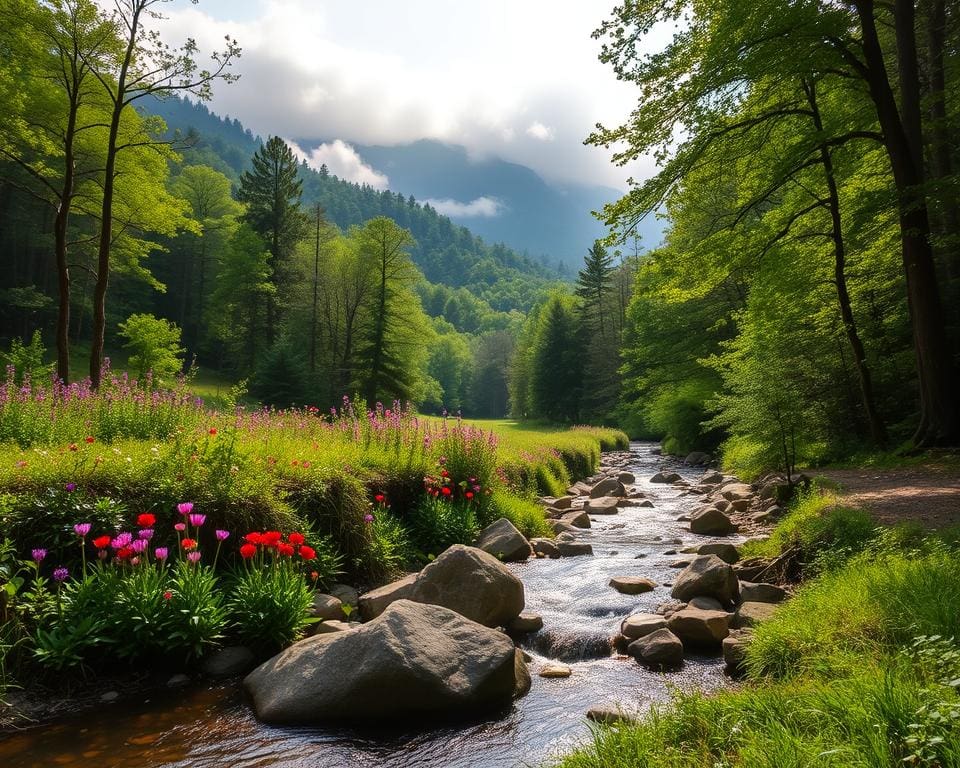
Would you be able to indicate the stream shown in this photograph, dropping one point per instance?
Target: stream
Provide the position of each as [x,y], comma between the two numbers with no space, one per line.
[212,726]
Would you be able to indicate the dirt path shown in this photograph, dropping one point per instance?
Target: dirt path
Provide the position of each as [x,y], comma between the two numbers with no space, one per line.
[929,495]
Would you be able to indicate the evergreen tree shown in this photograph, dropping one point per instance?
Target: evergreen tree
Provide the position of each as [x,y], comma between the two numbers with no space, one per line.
[272,191]
[556,375]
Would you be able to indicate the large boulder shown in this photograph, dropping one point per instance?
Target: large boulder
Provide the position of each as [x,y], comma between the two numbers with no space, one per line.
[578,519]
[412,660]
[711,478]
[661,648]
[752,592]
[751,614]
[559,526]
[665,477]
[564,502]
[726,552]
[632,585]
[735,491]
[640,624]
[697,459]
[502,540]
[326,607]
[606,505]
[545,548]
[375,602]
[609,486]
[709,576]
[711,522]
[472,583]
[570,547]
[627,478]
[699,627]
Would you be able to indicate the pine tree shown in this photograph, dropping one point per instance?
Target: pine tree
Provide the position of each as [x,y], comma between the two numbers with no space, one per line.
[600,332]
[556,373]
[272,193]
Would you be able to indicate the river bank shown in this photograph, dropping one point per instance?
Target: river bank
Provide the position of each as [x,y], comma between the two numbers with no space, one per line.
[210,724]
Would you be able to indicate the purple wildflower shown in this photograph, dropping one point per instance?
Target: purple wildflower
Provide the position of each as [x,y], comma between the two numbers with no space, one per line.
[197,519]
[61,574]
[185,507]
[146,534]
[81,529]
[38,554]
[71,487]
[122,540]
[160,553]
[368,518]
[222,535]
[138,546]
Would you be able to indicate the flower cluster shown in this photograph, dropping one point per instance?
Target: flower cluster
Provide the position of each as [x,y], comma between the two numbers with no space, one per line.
[275,544]
[443,485]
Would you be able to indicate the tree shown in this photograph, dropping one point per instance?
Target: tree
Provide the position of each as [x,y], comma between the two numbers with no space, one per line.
[145,66]
[154,346]
[272,191]
[599,321]
[555,375]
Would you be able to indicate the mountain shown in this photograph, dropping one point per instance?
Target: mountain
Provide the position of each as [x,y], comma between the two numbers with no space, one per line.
[499,200]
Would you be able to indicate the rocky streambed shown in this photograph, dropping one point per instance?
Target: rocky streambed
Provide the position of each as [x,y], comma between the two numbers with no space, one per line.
[624,582]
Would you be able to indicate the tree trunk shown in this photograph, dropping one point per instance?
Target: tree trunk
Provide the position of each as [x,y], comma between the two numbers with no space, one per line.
[60,245]
[939,413]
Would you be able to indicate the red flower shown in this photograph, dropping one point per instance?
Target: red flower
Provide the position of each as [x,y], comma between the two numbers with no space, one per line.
[213,430]
[285,550]
[72,446]
[247,551]
[469,494]
[88,439]
[444,473]
[379,498]
[313,574]
[188,544]
[271,538]
[308,553]
[446,491]
[168,595]
[102,542]
[146,520]
[124,553]
[253,538]
[296,539]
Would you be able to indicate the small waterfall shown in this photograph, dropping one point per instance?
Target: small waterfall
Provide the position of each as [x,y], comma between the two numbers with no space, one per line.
[569,645]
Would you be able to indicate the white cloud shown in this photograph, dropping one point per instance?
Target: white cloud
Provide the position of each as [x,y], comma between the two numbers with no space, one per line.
[341,160]
[485,207]
[540,132]
[498,77]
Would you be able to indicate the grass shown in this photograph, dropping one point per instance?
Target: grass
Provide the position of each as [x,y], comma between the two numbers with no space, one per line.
[860,669]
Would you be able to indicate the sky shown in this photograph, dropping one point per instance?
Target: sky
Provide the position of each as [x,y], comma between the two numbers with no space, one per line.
[514,79]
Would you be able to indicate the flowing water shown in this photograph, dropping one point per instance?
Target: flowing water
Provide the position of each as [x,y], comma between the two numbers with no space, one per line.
[212,727]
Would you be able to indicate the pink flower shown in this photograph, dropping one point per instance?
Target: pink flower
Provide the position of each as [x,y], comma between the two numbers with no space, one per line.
[194,557]
[222,535]
[138,546]
[122,540]
[146,534]
[185,507]
[160,553]
[368,518]
[197,519]
[180,526]
[81,529]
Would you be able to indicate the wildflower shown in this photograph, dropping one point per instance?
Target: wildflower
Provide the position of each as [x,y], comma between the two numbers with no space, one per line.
[197,519]
[185,507]
[194,557]
[72,446]
[309,553]
[81,529]
[88,439]
[285,550]
[313,574]
[296,539]
[146,520]
[21,464]
[442,460]
[271,538]
[368,518]
[189,544]
[122,540]
[247,551]
[446,490]
[161,554]
[444,473]
[101,542]
[146,534]
[379,498]
[71,487]
[305,464]
[168,595]
[38,555]
[61,574]
[179,526]
[253,538]
[139,546]
[469,494]
[212,431]
[135,561]
[222,535]
[124,553]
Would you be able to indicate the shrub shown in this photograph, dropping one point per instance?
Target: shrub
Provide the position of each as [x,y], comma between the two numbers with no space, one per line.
[437,524]
[26,360]
[154,346]
[197,605]
[389,547]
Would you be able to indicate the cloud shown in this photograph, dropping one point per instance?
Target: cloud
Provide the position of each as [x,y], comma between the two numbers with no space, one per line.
[540,132]
[483,207]
[341,160]
[520,81]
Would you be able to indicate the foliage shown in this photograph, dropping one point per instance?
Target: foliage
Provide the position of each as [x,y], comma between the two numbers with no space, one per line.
[26,360]
[154,346]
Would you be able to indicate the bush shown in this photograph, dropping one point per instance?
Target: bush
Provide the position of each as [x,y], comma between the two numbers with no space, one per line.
[269,605]
[437,524]
[528,516]
[26,360]
[154,346]
[389,548]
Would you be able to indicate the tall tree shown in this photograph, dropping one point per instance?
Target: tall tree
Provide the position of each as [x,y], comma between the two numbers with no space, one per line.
[272,192]
[556,379]
[146,66]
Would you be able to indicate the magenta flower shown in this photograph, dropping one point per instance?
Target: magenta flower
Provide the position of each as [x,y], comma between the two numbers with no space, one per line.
[180,526]
[122,540]
[185,507]
[38,554]
[197,519]
[61,574]
[194,557]
[222,535]
[139,546]
[368,518]
[160,553]
[71,487]
[146,534]
[81,529]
